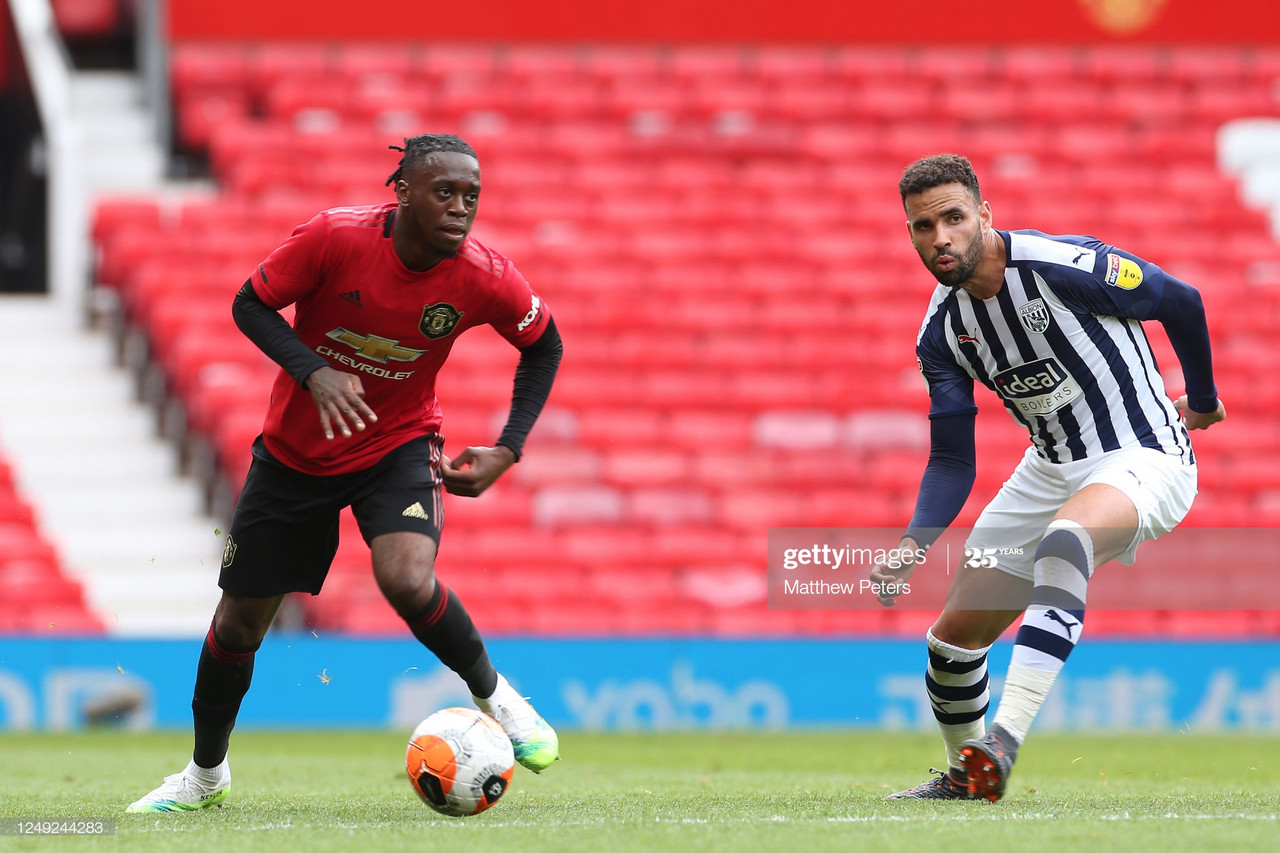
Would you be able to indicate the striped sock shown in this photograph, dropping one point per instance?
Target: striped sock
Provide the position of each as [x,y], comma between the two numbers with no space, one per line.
[956,681]
[1051,626]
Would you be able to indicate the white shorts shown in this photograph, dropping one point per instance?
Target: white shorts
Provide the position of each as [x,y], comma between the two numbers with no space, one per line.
[1161,487]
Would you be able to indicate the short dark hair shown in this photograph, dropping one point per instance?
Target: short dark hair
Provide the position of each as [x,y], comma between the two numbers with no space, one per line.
[417,148]
[929,172]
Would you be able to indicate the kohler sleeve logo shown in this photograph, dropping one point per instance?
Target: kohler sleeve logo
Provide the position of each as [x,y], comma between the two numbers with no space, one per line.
[531,315]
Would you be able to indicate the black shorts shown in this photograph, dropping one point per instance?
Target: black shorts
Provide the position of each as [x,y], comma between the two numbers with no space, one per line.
[284,534]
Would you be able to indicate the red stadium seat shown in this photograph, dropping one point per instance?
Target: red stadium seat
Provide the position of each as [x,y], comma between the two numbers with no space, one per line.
[859,63]
[88,19]
[699,429]
[1124,623]
[442,60]
[1040,64]
[223,387]
[755,621]
[13,508]
[365,65]
[1218,66]
[686,544]
[1128,65]
[606,427]
[202,111]
[206,66]
[651,467]
[109,214]
[620,62]
[949,63]
[895,102]
[272,62]
[1208,624]
[696,62]
[790,65]
[20,541]
[663,507]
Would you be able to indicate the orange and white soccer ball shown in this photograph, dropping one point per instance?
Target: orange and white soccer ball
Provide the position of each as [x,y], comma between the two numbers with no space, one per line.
[459,761]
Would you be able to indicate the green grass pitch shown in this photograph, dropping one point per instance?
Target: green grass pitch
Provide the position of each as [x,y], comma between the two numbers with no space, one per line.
[792,792]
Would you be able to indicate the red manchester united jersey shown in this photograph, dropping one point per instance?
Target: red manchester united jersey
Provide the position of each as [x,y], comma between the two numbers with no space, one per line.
[361,309]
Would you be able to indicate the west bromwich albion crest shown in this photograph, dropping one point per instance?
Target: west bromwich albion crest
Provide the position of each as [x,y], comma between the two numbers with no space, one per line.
[1035,316]
[438,320]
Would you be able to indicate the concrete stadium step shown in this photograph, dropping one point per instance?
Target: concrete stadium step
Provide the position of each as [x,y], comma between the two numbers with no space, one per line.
[106,488]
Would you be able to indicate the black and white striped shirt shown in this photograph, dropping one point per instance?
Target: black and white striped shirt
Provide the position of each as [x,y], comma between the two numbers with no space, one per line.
[1061,344]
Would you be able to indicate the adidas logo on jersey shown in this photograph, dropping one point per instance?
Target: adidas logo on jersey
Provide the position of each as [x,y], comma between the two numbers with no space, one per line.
[352,296]
[415,511]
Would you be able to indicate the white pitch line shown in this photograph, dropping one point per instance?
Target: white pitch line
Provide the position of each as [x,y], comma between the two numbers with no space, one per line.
[484,825]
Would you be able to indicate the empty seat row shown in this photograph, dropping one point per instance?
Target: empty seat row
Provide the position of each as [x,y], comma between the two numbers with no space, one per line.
[259,65]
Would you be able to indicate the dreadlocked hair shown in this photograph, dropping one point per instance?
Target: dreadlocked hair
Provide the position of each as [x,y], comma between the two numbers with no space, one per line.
[417,148]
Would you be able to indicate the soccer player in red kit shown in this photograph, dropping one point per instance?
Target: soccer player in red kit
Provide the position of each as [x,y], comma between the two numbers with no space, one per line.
[380,293]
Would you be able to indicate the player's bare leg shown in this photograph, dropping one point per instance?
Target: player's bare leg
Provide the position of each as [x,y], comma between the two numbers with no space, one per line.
[1095,525]
[403,564]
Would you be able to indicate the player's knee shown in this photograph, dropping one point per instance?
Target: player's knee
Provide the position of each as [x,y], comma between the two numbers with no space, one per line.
[407,585]
[957,638]
[242,622]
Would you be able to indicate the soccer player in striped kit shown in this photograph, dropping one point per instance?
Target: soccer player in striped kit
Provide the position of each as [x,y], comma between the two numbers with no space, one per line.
[1052,325]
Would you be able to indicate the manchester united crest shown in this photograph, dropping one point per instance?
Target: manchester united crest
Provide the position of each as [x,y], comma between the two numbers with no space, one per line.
[439,320]
[1035,316]
[229,552]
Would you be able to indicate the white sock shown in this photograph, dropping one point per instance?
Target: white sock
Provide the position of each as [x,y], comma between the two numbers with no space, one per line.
[209,776]
[1025,690]
[1051,626]
[500,691]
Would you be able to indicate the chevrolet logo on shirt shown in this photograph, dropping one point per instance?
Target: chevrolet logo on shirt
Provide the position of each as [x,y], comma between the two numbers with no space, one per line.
[375,348]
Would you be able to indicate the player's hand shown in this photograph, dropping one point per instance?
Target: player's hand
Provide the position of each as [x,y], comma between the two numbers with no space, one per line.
[1199,420]
[475,469]
[894,570]
[340,398]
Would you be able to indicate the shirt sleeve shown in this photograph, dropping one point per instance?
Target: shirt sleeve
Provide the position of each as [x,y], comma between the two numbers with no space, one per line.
[1120,285]
[1124,285]
[948,478]
[950,388]
[1181,312]
[293,270]
[275,337]
[519,314]
[537,370]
